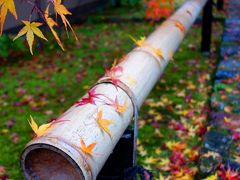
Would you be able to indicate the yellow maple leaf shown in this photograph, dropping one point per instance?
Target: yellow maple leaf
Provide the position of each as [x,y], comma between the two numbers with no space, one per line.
[185,177]
[5,6]
[161,177]
[158,151]
[157,51]
[237,159]
[114,64]
[191,86]
[150,160]
[51,23]
[164,162]
[87,149]
[228,90]
[180,175]
[212,154]
[181,93]
[41,130]
[171,54]
[227,120]
[131,80]
[192,130]
[142,151]
[103,123]
[30,29]
[120,108]
[183,112]
[62,11]
[138,42]
[212,177]
[227,109]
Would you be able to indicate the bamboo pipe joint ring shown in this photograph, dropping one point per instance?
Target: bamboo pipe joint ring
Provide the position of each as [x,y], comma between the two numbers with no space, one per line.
[149,51]
[133,99]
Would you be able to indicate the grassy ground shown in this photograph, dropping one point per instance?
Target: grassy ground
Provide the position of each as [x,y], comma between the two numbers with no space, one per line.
[47,84]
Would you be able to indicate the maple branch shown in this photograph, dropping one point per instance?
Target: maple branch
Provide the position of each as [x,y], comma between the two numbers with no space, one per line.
[37,8]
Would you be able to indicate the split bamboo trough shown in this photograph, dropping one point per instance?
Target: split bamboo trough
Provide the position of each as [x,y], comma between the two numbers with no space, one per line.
[77,148]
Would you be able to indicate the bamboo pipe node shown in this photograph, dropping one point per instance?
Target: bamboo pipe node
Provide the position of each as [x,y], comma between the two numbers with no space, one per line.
[149,51]
[133,99]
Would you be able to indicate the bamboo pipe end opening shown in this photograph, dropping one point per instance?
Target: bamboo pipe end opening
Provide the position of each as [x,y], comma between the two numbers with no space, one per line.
[43,161]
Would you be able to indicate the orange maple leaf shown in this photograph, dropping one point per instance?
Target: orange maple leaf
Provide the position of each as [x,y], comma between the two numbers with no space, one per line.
[176,146]
[117,106]
[62,11]
[5,6]
[156,9]
[180,26]
[87,149]
[103,123]
[51,23]
[227,120]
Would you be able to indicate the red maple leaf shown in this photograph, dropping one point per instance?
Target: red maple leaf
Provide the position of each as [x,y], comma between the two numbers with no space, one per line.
[189,12]
[228,174]
[177,160]
[156,9]
[178,126]
[55,121]
[114,74]
[235,136]
[91,98]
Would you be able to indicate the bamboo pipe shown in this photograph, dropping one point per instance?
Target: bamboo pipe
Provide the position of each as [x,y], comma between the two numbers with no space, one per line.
[59,154]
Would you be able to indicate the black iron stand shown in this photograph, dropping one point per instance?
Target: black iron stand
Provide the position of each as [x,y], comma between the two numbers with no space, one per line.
[207,27]
[121,158]
[220,4]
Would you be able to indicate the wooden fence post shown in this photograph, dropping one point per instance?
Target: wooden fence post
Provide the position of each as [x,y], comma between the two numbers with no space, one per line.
[220,4]
[206,27]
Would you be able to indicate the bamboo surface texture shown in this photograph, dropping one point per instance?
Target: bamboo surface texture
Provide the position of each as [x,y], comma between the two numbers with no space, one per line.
[59,152]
